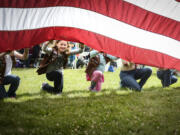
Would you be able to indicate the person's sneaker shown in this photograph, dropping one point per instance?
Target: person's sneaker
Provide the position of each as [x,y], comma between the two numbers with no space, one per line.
[43,84]
[121,87]
[12,96]
[89,89]
[92,90]
[58,94]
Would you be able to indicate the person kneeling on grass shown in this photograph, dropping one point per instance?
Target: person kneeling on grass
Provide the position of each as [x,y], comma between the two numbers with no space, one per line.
[166,76]
[129,74]
[54,61]
[96,68]
[6,64]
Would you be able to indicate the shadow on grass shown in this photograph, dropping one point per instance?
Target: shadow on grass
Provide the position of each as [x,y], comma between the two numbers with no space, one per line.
[28,94]
[85,91]
[161,89]
[78,93]
[152,89]
[177,88]
[118,91]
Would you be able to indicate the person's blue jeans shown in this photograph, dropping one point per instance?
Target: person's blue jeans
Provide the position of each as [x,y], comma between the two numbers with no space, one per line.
[14,81]
[128,78]
[57,77]
[166,77]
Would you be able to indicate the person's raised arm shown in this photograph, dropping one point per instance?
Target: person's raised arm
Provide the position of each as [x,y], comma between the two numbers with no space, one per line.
[76,51]
[45,47]
[20,56]
[4,53]
[112,57]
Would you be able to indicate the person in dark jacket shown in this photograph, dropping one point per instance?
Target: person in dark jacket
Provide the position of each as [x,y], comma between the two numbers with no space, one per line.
[58,58]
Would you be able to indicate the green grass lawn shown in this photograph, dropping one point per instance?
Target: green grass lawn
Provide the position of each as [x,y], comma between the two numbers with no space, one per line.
[154,111]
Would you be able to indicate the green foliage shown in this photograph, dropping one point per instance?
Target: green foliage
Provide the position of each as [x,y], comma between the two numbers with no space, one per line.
[154,111]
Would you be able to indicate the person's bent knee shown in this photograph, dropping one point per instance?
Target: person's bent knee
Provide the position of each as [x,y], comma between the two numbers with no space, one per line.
[59,75]
[149,71]
[17,79]
[97,74]
[175,80]
[159,75]
[137,88]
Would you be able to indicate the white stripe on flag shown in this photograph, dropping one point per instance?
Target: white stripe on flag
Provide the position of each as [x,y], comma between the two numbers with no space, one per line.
[23,19]
[167,8]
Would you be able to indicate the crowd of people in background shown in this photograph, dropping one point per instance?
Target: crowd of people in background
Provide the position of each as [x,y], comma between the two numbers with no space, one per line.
[36,54]
[53,56]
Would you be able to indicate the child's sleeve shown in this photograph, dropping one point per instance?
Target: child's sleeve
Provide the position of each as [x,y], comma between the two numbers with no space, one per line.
[112,57]
[46,49]
[93,53]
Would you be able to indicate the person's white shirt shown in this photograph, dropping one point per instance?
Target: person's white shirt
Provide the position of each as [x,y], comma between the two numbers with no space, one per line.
[9,65]
[9,61]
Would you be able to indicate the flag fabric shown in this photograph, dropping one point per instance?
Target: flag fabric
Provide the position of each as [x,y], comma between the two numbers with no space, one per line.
[141,31]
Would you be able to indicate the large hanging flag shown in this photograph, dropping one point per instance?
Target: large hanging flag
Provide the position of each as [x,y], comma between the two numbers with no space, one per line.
[142,31]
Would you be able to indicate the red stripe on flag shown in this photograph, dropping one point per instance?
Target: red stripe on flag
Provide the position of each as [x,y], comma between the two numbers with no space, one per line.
[93,40]
[117,9]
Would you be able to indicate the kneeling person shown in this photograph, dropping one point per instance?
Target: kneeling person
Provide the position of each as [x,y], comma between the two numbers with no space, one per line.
[96,68]
[166,76]
[129,74]
[7,59]
[55,60]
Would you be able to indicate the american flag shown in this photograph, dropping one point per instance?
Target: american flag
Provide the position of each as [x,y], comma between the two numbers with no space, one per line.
[141,31]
